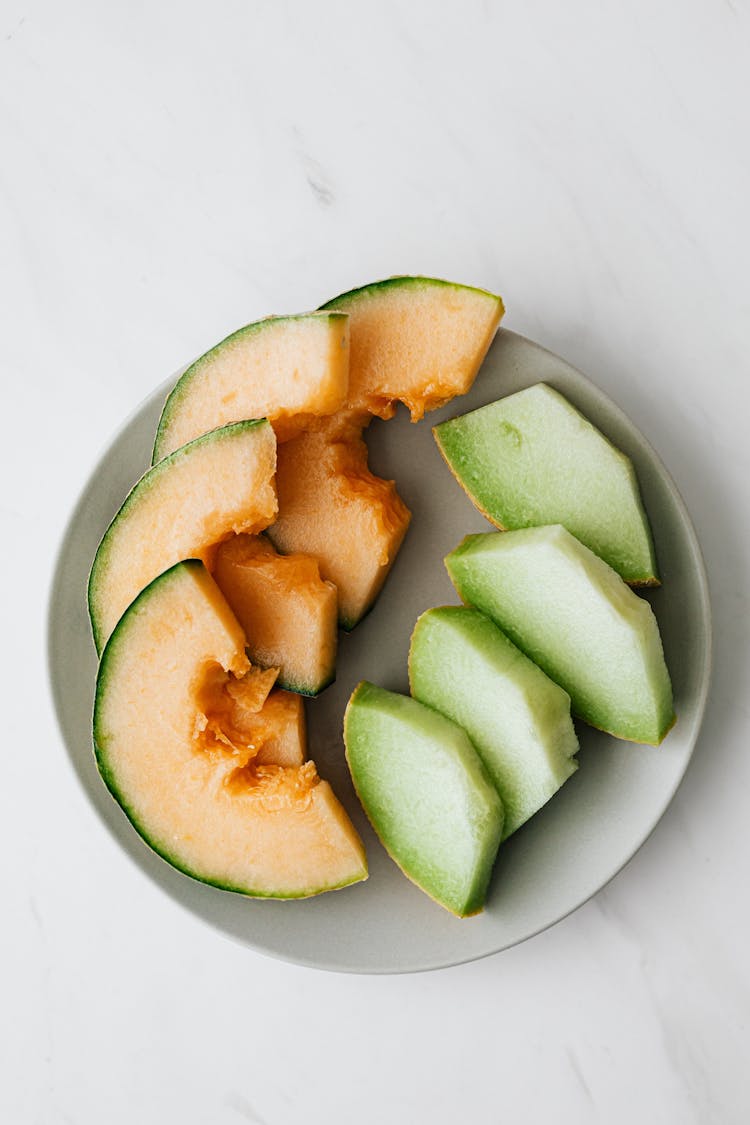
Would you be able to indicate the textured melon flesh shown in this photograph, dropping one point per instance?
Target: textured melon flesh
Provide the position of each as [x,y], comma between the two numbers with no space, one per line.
[219,484]
[532,459]
[576,618]
[415,340]
[518,720]
[332,507]
[250,711]
[288,612]
[183,763]
[426,794]
[287,369]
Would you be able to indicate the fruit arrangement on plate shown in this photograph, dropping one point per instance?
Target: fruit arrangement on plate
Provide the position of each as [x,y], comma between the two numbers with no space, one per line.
[218,590]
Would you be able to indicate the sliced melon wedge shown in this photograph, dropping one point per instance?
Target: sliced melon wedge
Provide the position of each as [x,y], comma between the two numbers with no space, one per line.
[332,507]
[518,720]
[576,618]
[288,369]
[416,340]
[289,613]
[426,794]
[220,483]
[532,459]
[183,765]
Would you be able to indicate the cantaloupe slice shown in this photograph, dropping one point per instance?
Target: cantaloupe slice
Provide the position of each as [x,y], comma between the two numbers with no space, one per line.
[188,780]
[289,613]
[285,368]
[218,484]
[416,340]
[331,506]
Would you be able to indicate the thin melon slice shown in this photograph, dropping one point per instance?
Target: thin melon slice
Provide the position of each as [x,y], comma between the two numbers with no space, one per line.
[289,613]
[332,507]
[416,340]
[187,776]
[218,484]
[426,794]
[284,368]
[532,459]
[576,618]
[518,720]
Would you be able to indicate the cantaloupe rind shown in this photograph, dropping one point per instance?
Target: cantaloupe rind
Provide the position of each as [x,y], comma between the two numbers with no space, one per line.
[222,482]
[266,830]
[288,369]
[415,340]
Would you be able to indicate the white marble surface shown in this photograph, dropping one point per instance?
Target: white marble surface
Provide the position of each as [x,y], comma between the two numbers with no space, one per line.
[171,171]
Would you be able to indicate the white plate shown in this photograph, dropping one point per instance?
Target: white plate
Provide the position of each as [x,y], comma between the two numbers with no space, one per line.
[555,862]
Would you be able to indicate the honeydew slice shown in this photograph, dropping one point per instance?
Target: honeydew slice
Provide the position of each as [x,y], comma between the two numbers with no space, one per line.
[576,618]
[284,368]
[220,483]
[426,794]
[532,459]
[416,340]
[332,507]
[288,612]
[518,720]
[176,754]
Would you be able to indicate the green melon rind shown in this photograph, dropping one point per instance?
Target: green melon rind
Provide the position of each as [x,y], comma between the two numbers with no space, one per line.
[501,455]
[518,719]
[373,717]
[377,288]
[136,494]
[183,386]
[107,674]
[500,589]
[310,691]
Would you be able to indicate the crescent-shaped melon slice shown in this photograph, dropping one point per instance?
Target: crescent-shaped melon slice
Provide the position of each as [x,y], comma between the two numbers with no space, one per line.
[416,340]
[288,369]
[178,754]
[220,483]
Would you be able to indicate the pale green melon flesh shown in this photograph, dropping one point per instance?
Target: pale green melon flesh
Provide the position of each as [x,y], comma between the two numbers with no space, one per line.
[576,618]
[416,340]
[519,721]
[284,368]
[175,753]
[532,459]
[218,484]
[426,794]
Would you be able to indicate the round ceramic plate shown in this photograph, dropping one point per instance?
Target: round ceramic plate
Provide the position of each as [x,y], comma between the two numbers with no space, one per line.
[556,861]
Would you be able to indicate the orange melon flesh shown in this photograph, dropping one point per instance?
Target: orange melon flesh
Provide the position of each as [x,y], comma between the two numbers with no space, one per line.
[196,792]
[250,712]
[331,506]
[415,340]
[288,612]
[287,369]
[219,484]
